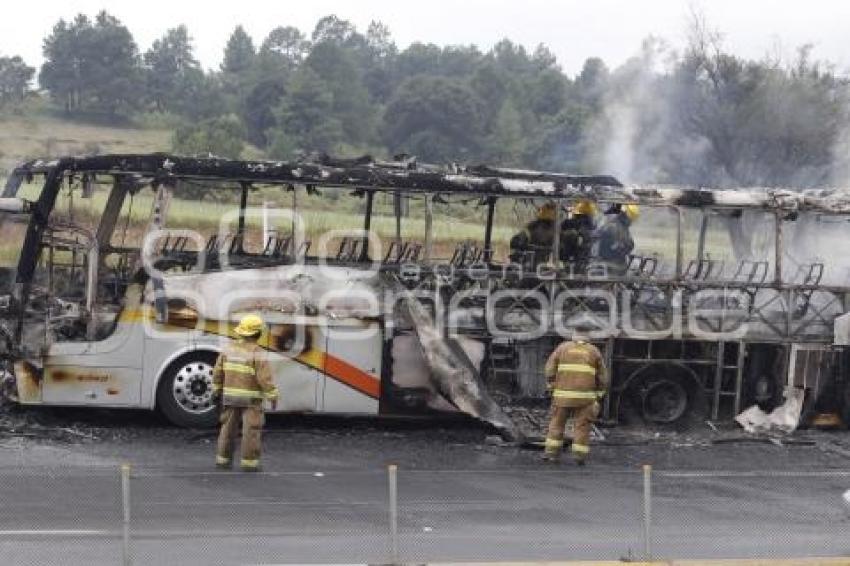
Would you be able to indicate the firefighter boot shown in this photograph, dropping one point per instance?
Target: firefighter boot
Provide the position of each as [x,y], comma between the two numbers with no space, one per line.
[580,453]
[550,458]
[552,450]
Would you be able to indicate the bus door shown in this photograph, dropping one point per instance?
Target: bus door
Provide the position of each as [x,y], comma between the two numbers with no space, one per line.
[297,361]
[352,374]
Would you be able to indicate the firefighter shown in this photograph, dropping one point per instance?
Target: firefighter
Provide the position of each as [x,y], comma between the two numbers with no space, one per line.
[577,233]
[536,238]
[614,241]
[577,380]
[243,380]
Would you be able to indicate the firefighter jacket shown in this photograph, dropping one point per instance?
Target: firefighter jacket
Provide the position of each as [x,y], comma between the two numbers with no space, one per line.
[242,375]
[535,240]
[614,240]
[575,372]
[576,235]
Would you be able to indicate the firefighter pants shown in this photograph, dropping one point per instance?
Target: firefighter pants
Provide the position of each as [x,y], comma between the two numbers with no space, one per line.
[252,426]
[584,417]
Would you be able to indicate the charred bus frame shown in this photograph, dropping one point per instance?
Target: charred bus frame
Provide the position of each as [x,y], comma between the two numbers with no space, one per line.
[667,375]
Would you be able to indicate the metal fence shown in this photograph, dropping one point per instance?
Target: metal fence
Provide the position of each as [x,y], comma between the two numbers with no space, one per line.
[397,515]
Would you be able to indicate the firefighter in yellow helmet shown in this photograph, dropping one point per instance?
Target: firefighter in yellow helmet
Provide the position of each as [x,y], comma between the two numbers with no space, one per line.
[614,240]
[577,233]
[577,379]
[534,243]
[244,381]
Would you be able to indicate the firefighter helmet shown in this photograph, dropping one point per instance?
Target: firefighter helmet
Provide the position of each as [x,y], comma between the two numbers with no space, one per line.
[585,206]
[250,325]
[632,211]
[546,212]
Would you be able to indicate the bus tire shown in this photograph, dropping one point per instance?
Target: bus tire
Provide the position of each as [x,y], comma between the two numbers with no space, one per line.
[664,394]
[184,393]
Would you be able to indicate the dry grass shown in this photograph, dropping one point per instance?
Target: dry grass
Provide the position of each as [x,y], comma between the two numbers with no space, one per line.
[38,135]
[652,234]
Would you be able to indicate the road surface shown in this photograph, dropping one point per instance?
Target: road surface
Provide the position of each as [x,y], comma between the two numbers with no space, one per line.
[323,498]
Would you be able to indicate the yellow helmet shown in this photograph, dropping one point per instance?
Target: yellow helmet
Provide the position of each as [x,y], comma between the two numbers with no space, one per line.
[632,211]
[250,325]
[546,212]
[585,206]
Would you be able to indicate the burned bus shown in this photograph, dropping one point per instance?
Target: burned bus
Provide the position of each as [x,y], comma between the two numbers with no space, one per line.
[123,276]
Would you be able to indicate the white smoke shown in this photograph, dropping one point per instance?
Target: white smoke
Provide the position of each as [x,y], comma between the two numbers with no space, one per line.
[620,151]
[706,117]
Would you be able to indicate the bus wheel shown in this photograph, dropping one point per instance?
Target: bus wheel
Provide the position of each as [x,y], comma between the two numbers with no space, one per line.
[664,400]
[185,394]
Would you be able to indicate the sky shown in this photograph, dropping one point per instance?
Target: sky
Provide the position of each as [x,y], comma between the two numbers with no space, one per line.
[572,29]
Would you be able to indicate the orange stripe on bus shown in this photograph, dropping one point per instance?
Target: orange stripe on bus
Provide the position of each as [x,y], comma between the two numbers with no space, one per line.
[342,371]
[352,376]
[329,365]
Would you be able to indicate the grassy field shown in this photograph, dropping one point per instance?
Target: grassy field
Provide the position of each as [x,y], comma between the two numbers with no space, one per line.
[45,135]
[654,233]
[206,217]
[38,130]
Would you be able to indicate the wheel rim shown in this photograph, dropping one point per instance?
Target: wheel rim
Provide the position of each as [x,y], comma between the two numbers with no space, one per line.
[664,401]
[193,387]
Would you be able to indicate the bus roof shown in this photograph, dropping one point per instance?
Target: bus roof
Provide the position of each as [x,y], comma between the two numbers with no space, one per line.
[406,175]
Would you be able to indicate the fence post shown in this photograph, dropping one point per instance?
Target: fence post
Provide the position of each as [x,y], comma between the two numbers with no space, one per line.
[393,479]
[647,512]
[125,499]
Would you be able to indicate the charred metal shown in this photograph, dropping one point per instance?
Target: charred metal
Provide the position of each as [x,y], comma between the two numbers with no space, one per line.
[684,332]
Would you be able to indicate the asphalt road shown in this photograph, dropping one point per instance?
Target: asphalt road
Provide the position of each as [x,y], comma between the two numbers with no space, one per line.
[323,498]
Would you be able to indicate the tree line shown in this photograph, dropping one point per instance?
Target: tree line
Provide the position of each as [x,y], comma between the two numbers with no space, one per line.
[700,115]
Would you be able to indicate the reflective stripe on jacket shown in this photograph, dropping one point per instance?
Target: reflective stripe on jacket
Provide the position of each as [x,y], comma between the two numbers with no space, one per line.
[576,373]
[567,394]
[242,374]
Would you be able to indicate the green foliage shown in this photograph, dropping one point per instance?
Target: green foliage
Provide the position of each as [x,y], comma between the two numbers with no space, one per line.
[221,137]
[350,103]
[239,53]
[331,29]
[281,145]
[507,141]
[435,118]
[592,82]
[547,93]
[285,47]
[560,143]
[92,65]
[701,116]
[306,114]
[171,71]
[257,108]
[764,124]
[15,78]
